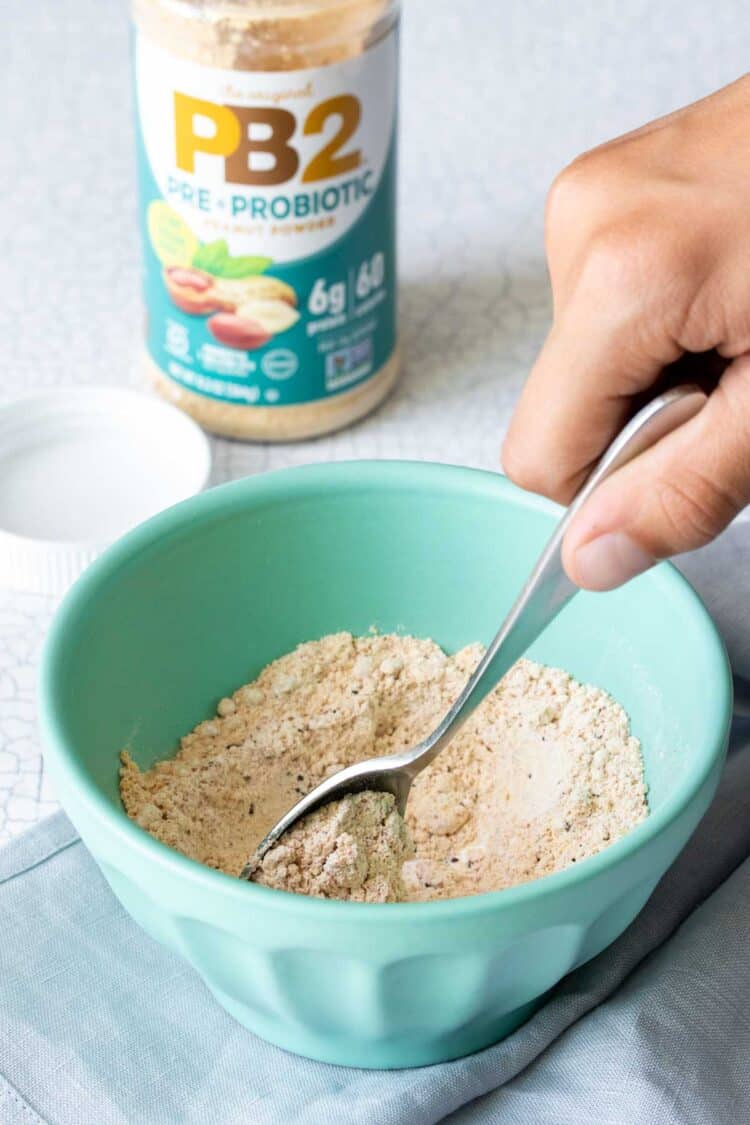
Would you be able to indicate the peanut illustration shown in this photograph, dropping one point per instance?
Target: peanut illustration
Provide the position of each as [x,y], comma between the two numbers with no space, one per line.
[193,291]
[238,332]
[273,315]
[237,291]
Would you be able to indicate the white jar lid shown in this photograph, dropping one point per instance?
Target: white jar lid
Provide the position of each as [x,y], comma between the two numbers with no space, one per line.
[78,467]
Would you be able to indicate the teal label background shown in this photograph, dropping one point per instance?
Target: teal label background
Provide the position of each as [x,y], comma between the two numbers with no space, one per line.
[327,363]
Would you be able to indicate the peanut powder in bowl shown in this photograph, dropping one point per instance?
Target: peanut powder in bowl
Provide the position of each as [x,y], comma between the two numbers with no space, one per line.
[544,774]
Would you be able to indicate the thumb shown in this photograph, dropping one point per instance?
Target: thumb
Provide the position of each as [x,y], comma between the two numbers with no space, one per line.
[675,497]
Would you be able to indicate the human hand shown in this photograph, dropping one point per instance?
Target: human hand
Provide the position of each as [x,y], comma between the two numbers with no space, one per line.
[648,245]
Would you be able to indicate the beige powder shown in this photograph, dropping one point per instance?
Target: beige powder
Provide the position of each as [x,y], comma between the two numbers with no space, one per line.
[544,774]
[354,848]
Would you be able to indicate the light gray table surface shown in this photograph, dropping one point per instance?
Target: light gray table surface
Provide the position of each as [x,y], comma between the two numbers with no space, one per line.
[496,97]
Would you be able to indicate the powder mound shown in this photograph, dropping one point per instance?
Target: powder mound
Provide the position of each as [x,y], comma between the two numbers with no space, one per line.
[352,849]
[543,774]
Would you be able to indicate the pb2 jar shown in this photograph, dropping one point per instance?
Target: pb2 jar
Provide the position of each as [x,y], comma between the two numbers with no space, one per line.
[267,180]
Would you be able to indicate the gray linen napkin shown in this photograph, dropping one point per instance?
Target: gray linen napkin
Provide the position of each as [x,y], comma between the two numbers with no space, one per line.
[101,1026]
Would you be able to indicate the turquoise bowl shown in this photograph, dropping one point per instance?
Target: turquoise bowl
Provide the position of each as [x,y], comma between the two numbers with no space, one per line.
[196,601]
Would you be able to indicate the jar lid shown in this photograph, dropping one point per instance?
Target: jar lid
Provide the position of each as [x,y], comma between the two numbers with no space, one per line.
[78,467]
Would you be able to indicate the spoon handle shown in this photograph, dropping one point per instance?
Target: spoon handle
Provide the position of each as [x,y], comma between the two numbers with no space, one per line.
[548,588]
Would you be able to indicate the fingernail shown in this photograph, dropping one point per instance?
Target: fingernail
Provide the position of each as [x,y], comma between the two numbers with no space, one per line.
[609,560]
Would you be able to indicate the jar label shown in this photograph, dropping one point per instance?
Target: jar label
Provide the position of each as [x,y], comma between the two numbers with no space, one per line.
[268,222]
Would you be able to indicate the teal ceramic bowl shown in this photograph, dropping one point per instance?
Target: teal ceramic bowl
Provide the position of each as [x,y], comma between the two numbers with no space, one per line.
[196,601]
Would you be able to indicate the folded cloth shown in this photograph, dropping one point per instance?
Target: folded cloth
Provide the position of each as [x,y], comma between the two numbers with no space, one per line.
[99,1025]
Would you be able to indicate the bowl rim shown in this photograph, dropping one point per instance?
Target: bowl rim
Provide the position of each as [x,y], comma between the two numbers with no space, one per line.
[294,483]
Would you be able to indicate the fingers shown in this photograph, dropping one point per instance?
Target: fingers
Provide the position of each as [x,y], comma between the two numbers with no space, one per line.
[576,399]
[647,245]
[673,498]
[610,341]
[629,263]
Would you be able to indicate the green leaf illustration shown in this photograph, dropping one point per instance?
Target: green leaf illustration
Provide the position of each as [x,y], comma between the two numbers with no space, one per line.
[244,266]
[211,256]
[214,258]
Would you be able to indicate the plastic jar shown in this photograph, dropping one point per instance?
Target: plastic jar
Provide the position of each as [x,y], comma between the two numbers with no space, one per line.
[267,165]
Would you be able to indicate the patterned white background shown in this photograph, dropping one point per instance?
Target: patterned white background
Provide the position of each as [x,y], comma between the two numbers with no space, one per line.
[496,97]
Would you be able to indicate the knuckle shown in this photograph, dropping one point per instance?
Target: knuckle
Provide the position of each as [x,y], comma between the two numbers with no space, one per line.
[562,194]
[584,177]
[615,258]
[532,473]
[693,510]
[572,197]
[635,255]
[525,471]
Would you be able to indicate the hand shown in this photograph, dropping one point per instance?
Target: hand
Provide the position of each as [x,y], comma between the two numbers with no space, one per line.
[648,244]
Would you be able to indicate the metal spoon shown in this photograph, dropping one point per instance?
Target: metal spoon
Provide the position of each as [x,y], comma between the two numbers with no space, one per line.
[547,590]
